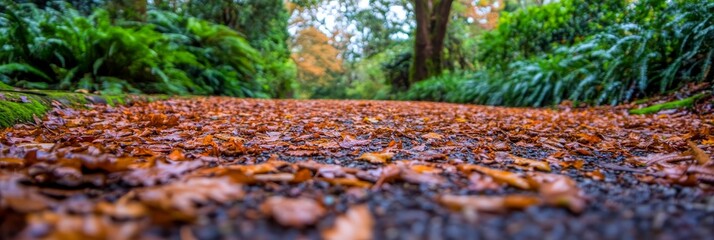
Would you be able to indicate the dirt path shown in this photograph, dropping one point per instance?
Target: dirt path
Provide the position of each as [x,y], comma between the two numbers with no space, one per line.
[213,168]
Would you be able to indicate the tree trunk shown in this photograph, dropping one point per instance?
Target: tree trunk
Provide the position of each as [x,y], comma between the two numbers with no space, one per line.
[432,17]
[134,10]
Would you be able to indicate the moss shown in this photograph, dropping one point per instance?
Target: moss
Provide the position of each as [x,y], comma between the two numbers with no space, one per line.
[113,100]
[68,99]
[4,86]
[683,103]
[13,110]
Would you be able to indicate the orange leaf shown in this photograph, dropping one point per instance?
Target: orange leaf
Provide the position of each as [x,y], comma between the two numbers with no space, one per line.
[12,163]
[433,135]
[498,175]
[176,155]
[351,182]
[488,203]
[540,165]
[699,154]
[381,157]
[356,224]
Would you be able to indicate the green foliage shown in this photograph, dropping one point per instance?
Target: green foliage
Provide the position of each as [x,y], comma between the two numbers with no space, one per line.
[657,46]
[264,23]
[270,37]
[537,29]
[59,48]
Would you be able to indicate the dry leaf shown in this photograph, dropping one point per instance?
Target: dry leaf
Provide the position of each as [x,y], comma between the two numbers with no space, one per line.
[293,212]
[702,157]
[379,157]
[433,135]
[355,224]
[498,175]
[488,203]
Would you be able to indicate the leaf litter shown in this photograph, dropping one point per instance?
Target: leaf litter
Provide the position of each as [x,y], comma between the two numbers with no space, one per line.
[223,168]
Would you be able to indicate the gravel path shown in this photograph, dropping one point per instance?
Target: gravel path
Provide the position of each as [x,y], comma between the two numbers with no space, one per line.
[225,168]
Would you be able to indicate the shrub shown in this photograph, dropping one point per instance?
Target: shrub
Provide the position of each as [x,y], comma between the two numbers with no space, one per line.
[58,48]
[658,46]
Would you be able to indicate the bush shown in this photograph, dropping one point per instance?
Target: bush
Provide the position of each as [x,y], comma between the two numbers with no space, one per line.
[58,48]
[540,29]
[658,46]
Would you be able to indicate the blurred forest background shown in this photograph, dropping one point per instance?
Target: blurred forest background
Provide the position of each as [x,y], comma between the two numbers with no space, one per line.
[498,52]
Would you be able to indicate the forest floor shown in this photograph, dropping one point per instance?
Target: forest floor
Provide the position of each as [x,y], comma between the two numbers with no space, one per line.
[213,168]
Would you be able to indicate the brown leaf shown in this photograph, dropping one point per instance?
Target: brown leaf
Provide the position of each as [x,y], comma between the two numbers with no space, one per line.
[11,163]
[596,175]
[176,155]
[378,157]
[498,175]
[349,141]
[540,165]
[355,224]
[293,212]
[89,226]
[302,175]
[560,190]
[588,138]
[702,157]
[488,203]
[182,199]
[433,135]
[274,177]
[351,182]
[270,166]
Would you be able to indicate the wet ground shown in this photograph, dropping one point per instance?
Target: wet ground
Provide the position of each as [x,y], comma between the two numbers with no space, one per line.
[224,168]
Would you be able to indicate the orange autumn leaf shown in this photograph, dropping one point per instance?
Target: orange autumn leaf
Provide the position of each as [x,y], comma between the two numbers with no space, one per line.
[540,165]
[699,154]
[11,163]
[176,155]
[596,175]
[425,169]
[588,138]
[350,182]
[498,175]
[488,203]
[433,135]
[378,157]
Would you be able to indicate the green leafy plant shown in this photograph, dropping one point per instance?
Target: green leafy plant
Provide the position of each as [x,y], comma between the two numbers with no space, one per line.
[655,47]
[59,48]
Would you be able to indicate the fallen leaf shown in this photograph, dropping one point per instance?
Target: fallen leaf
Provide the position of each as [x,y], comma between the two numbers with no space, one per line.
[702,157]
[588,138]
[182,199]
[176,155]
[293,212]
[596,175]
[379,157]
[350,182]
[488,203]
[355,224]
[560,190]
[540,165]
[498,175]
[432,135]
[11,163]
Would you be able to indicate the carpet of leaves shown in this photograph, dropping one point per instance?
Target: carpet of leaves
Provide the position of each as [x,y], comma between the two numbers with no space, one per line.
[215,168]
